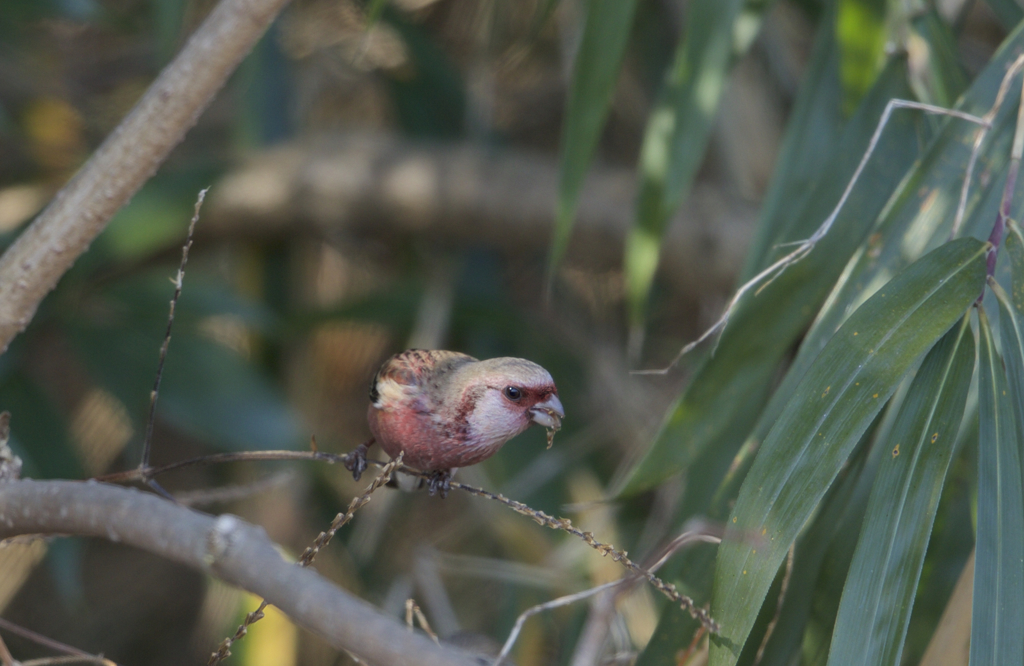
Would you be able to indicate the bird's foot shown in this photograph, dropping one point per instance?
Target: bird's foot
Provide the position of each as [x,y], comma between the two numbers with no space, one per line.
[356,461]
[441,480]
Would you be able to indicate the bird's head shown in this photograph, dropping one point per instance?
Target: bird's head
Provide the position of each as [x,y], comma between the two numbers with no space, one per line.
[504,396]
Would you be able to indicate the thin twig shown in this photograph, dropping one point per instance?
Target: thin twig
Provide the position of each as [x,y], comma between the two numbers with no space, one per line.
[233,493]
[692,647]
[48,642]
[54,661]
[179,278]
[565,525]
[539,516]
[686,537]
[1004,88]
[548,605]
[220,458]
[307,557]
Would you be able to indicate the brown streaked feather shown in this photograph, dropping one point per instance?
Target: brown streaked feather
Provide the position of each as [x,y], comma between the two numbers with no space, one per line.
[410,367]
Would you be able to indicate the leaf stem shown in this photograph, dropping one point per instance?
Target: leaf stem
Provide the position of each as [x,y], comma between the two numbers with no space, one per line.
[999,228]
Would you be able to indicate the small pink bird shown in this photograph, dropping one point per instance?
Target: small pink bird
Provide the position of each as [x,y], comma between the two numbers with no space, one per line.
[447,410]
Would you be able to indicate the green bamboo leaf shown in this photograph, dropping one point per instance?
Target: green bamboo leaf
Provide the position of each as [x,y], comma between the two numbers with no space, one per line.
[812,132]
[998,607]
[918,219]
[679,127]
[1015,250]
[722,402]
[826,548]
[822,557]
[602,46]
[1011,334]
[879,593]
[832,407]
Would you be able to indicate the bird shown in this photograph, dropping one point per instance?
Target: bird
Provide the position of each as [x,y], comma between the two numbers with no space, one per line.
[447,410]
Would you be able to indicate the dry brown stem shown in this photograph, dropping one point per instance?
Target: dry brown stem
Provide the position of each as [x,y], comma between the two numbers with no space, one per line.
[34,263]
[226,547]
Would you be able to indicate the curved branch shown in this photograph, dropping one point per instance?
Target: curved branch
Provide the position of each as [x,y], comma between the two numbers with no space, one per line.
[226,547]
[31,267]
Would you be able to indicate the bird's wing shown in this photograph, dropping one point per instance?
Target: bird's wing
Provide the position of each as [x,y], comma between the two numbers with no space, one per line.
[414,368]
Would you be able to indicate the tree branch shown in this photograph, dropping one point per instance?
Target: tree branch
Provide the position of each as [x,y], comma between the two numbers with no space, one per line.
[31,267]
[381,186]
[226,547]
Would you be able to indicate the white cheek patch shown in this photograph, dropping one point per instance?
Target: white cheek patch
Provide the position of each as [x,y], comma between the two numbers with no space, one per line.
[493,422]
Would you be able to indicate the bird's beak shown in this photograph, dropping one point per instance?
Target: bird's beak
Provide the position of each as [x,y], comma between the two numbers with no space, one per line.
[548,413]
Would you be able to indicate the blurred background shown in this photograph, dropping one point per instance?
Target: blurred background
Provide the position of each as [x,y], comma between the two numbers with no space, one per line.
[384,175]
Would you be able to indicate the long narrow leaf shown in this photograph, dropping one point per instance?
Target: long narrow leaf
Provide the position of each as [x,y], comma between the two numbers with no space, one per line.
[836,401]
[812,132]
[879,592]
[1011,331]
[1015,250]
[725,397]
[679,128]
[823,554]
[998,609]
[605,34]
[918,219]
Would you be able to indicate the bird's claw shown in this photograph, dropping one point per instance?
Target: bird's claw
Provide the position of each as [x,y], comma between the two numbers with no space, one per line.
[356,461]
[441,480]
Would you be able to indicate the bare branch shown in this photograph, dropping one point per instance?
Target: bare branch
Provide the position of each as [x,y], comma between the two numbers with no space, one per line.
[179,279]
[31,266]
[138,474]
[67,659]
[226,547]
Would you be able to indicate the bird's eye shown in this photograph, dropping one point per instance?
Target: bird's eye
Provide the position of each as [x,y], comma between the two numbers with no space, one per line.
[512,393]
